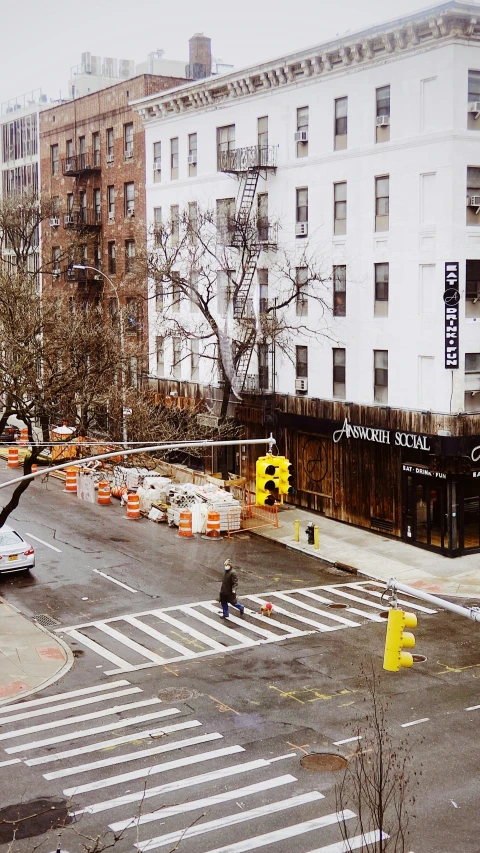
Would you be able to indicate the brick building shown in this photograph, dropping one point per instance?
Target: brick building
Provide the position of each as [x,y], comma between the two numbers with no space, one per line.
[92,166]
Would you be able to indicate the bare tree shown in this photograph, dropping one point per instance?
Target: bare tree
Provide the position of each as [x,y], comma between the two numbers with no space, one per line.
[379,781]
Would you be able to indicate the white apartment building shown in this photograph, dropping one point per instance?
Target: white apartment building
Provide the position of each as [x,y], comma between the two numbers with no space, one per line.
[376,138]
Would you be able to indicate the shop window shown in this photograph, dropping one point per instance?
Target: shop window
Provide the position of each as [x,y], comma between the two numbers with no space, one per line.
[341,117]
[380,364]
[381,290]
[340,291]
[339,373]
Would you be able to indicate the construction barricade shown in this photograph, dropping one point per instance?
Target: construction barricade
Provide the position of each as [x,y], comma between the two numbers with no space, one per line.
[252,517]
[133,507]
[213,525]
[185,524]
[13,461]
[104,493]
[71,480]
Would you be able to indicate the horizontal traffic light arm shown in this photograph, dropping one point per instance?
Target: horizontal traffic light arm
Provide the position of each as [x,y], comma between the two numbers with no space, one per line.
[469,612]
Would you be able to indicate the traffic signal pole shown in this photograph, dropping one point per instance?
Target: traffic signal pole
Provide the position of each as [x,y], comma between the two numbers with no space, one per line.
[469,612]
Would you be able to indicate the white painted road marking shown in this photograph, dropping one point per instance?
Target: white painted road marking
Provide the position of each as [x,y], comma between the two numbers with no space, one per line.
[346,740]
[415,722]
[114,580]
[53,709]
[47,544]
[473,708]
[32,703]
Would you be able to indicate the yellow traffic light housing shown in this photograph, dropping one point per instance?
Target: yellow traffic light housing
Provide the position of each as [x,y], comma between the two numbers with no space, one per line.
[266,480]
[398,639]
[285,469]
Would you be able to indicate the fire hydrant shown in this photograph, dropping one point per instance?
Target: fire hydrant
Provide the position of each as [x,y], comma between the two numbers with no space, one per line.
[310,531]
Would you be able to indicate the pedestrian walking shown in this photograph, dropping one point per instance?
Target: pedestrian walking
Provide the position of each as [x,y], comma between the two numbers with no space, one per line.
[228,590]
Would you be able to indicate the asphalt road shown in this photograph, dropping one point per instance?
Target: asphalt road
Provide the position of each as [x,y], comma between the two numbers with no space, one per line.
[241,713]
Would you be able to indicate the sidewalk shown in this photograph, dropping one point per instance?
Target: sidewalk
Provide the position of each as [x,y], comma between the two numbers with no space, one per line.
[376,556]
[30,657]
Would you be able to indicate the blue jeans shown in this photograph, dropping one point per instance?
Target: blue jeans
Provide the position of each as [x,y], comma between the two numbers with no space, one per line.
[225,609]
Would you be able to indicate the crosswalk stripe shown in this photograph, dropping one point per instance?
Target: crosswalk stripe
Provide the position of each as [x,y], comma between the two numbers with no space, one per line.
[147,771]
[245,641]
[105,628]
[336,618]
[351,597]
[229,820]
[353,843]
[373,617]
[99,650]
[162,638]
[147,793]
[89,700]
[83,691]
[121,759]
[268,838]
[104,744]
[287,630]
[214,800]
[267,635]
[376,594]
[94,715]
[209,642]
[180,784]
[318,625]
[110,727]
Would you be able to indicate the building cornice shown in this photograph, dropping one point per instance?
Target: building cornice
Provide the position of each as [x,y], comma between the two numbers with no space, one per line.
[439,24]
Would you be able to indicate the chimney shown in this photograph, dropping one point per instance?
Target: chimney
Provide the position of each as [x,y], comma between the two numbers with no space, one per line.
[200,57]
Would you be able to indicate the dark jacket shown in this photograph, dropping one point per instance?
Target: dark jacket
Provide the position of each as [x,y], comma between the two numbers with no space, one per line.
[228,590]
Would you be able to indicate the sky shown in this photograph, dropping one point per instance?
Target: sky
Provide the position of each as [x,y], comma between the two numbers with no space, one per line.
[40,40]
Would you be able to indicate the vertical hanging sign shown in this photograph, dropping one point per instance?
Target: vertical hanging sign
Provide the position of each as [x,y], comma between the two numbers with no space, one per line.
[451,298]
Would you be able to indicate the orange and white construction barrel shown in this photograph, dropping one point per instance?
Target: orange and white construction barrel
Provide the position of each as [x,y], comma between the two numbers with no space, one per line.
[23,436]
[213,524]
[13,461]
[133,506]
[71,480]
[103,497]
[185,524]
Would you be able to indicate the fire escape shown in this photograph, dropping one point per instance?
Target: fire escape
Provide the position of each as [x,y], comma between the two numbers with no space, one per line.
[82,217]
[250,236]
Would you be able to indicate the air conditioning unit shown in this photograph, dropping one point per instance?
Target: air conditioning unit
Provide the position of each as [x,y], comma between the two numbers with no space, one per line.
[474,201]
[301,229]
[192,159]
[157,165]
[68,167]
[128,153]
[54,221]
[56,272]
[474,107]
[68,219]
[111,217]
[383,121]
[109,158]
[97,278]
[301,136]
[301,384]
[130,211]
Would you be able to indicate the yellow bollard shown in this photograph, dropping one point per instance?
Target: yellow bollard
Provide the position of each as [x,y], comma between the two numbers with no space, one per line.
[296,537]
[316,538]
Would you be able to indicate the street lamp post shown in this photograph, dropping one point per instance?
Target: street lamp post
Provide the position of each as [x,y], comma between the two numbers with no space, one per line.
[122,342]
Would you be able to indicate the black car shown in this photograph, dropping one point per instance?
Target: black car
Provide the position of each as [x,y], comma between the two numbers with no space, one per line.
[9,435]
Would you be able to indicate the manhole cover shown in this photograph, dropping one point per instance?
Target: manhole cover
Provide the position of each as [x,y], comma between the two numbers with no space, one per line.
[338,606]
[175,694]
[418,658]
[26,820]
[323,762]
[46,621]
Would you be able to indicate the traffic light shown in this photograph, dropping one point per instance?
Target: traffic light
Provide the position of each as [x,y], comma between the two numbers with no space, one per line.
[266,480]
[397,639]
[285,469]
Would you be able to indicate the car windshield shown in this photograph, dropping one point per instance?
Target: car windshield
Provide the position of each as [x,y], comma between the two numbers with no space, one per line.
[8,539]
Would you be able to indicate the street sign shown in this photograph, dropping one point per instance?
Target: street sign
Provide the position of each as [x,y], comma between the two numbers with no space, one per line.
[127,411]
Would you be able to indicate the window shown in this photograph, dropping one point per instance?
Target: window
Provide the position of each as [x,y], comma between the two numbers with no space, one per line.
[339,373]
[473,97]
[69,153]
[194,359]
[382,112]
[176,358]
[194,291]
[175,223]
[56,260]
[157,225]
[380,380]
[160,356]
[132,371]
[70,205]
[54,159]
[301,362]
[192,218]
[224,290]
[381,290]
[302,132]
[262,137]
[176,292]
[110,148]
[301,301]
[472,289]
[225,144]
[174,158]
[97,205]
[262,217]
[301,211]
[97,256]
[55,205]
[262,278]
[111,202]
[157,162]
[473,195]
[112,263]
[128,140]
[192,154]
[82,151]
[131,314]
[113,309]
[263,377]
[472,381]
[225,220]
[129,255]
[129,195]
[340,208]
[340,291]
[159,294]
[96,148]
[340,132]
[382,203]
[82,203]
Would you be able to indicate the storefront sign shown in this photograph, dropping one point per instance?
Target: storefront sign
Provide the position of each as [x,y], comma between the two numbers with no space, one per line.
[451,300]
[382,436]
[412,469]
[475,454]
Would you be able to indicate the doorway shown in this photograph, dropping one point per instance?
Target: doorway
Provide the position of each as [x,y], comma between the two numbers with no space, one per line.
[426,516]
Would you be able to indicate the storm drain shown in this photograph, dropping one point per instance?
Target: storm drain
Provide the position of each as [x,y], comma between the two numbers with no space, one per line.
[46,621]
[323,762]
[26,820]
[176,694]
